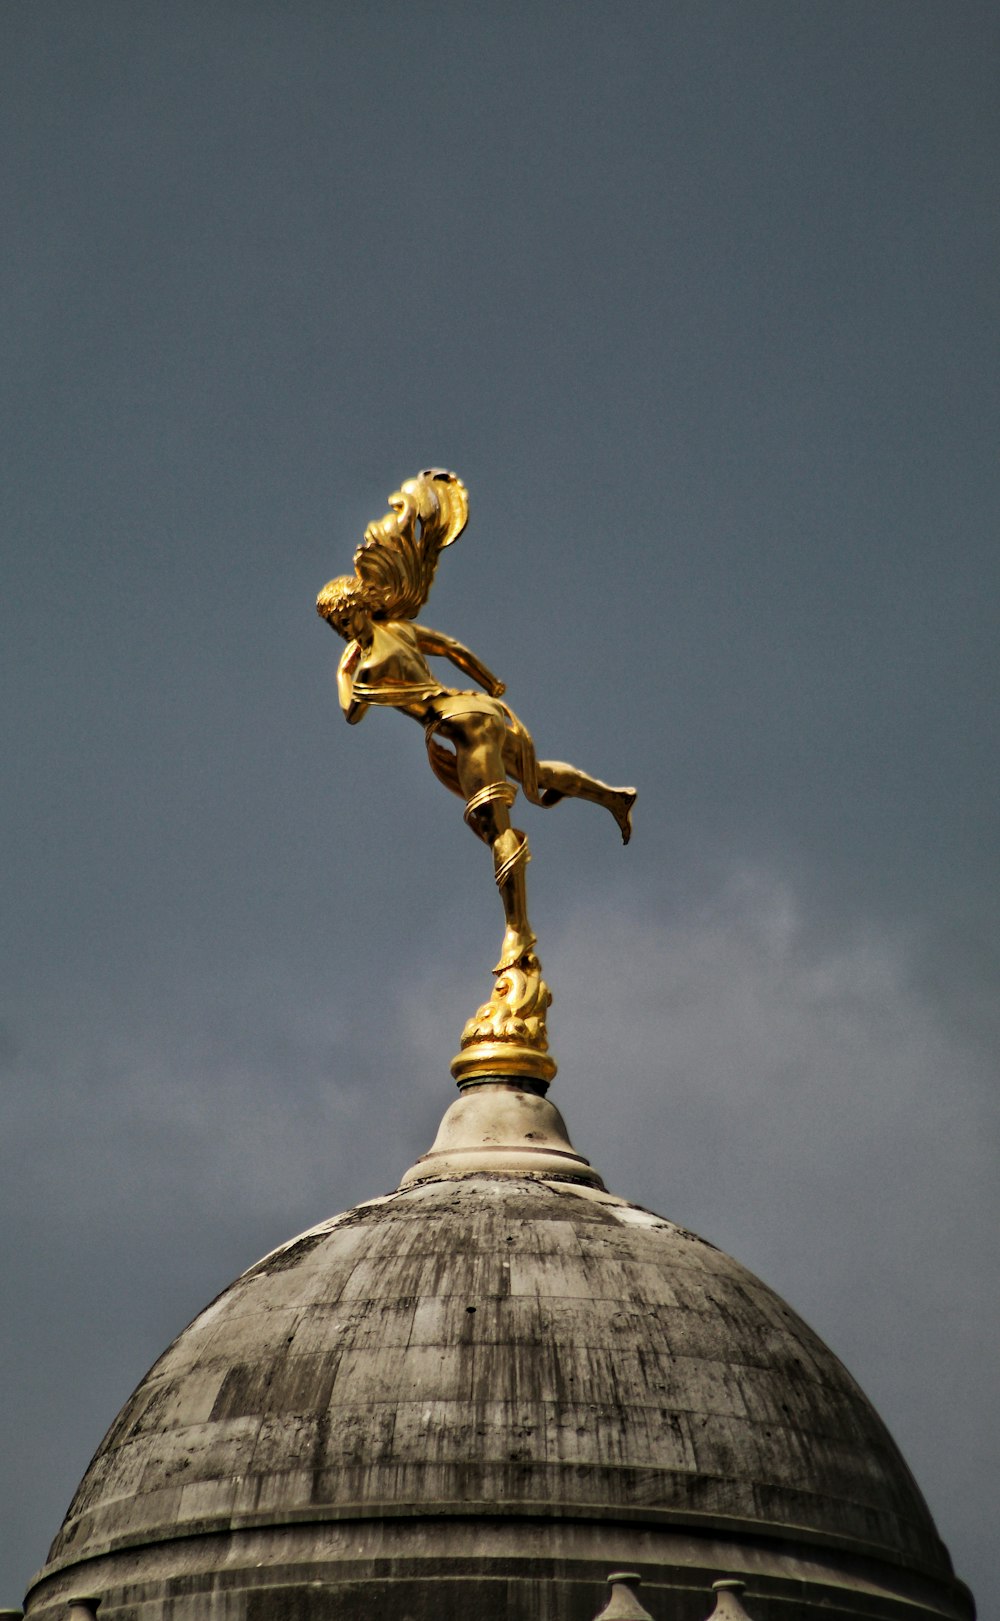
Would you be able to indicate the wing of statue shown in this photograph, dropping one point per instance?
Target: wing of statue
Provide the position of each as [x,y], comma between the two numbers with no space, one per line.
[398,556]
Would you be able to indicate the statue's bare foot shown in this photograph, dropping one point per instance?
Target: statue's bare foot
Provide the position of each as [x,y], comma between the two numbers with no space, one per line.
[517,943]
[621,809]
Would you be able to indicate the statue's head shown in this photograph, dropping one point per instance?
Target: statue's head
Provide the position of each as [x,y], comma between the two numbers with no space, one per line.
[346,605]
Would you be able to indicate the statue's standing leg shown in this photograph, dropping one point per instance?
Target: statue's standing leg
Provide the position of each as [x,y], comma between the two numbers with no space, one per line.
[507,1036]
[489,795]
[510,857]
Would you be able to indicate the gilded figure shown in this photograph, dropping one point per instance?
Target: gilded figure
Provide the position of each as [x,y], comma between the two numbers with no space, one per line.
[476,745]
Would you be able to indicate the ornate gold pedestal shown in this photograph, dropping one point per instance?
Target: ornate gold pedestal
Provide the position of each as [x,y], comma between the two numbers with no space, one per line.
[507,1038]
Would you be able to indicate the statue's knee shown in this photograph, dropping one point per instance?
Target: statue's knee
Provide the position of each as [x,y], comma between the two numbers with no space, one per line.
[481,807]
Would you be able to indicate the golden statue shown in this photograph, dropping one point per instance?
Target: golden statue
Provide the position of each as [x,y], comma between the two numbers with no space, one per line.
[385,662]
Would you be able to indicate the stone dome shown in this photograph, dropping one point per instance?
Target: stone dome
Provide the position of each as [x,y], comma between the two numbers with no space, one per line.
[479,1395]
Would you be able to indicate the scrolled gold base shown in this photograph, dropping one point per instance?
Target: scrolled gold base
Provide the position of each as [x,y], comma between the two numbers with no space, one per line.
[506,1038]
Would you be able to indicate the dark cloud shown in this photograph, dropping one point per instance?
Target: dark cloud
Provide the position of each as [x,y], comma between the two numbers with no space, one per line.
[700,302]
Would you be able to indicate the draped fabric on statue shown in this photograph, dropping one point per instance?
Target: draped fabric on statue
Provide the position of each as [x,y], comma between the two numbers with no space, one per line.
[519,754]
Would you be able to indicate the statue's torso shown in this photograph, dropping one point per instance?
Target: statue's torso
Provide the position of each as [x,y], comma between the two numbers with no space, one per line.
[393,670]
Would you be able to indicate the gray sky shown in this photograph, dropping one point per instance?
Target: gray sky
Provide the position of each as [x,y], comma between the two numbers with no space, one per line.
[699,299]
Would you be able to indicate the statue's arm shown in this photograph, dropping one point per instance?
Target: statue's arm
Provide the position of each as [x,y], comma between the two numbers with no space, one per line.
[438,645]
[354,709]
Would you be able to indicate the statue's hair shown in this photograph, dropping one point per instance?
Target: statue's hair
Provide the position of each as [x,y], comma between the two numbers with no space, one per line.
[442,504]
[394,569]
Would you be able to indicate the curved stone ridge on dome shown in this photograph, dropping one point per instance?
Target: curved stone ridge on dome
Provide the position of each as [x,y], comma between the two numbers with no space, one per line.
[559,1370]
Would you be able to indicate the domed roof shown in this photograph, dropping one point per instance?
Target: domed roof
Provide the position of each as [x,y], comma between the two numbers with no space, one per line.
[380,1404]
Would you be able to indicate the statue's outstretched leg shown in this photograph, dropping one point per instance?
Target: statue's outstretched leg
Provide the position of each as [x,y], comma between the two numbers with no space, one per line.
[557,780]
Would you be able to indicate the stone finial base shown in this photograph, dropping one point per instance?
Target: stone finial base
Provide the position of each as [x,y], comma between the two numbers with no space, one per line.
[501,1128]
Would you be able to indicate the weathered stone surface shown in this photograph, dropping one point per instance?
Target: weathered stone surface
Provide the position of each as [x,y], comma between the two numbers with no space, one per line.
[441,1401]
